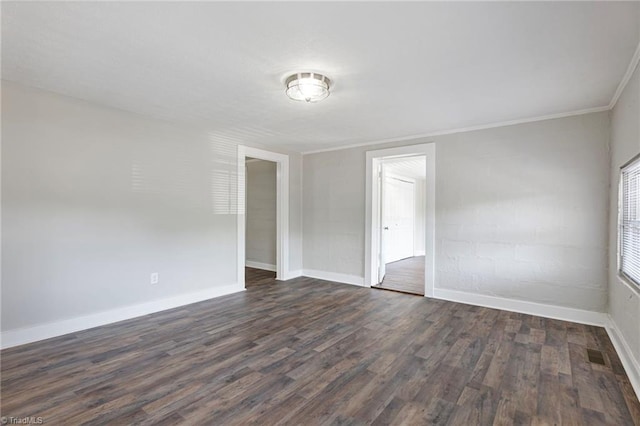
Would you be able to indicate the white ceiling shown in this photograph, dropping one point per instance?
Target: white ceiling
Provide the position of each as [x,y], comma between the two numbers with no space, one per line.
[400,69]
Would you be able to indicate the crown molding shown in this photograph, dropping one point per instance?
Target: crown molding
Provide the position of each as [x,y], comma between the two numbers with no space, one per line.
[633,64]
[466,129]
[627,76]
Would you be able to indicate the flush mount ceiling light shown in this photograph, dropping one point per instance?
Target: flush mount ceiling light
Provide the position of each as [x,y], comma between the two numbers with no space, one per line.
[307,86]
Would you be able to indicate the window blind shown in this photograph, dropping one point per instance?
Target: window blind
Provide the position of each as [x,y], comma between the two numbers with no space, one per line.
[630,221]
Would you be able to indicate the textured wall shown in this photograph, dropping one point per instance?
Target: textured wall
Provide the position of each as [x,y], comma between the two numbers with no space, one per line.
[624,299]
[261,212]
[521,211]
[95,199]
[333,211]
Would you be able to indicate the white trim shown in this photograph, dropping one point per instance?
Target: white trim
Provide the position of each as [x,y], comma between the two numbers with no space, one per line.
[282,211]
[463,129]
[371,211]
[241,222]
[22,336]
[625,282]
[334,277]
[260,265]
[635,59]
[396,176]
[629,362]
[627,76]
[524,307]
[293,274]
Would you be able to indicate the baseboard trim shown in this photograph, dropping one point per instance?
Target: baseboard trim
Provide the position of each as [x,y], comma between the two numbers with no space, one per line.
[260,265]
[22,336]
[334,276]
[293,274]
[520,306]
[629,362]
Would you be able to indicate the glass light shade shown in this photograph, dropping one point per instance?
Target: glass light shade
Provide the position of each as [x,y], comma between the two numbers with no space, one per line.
[308,87]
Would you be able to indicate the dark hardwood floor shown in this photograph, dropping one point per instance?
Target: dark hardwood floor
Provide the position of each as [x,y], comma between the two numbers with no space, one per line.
[406,275]
[253,277]
[308,352]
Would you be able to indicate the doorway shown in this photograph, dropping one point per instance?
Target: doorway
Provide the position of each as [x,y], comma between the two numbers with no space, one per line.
[260,221]
[281,214]
[401,188]
[414,256]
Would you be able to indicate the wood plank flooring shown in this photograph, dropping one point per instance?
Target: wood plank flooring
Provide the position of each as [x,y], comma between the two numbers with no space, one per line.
[312,352]
[253,277]
[406,275]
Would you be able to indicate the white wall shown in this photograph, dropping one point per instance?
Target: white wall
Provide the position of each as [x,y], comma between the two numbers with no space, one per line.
[333,212]
[95,199]
[261,212]
[521,211]
[624,299]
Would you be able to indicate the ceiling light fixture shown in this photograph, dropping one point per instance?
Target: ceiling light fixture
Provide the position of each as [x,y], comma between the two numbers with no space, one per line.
[307,86]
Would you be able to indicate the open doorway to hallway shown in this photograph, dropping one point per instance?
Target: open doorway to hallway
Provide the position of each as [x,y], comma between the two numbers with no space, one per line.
[261,224]
[402,213]
[281,162]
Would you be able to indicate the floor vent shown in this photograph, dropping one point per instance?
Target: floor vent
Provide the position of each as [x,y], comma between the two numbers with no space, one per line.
[595,356]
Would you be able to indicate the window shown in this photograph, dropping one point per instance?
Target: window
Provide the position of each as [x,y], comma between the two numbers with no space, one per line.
[629,221]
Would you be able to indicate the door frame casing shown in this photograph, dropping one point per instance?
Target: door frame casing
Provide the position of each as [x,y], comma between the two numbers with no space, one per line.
[372,242]
[282,209]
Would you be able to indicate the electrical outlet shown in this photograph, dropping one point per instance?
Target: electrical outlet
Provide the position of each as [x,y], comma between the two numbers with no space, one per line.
[155,277]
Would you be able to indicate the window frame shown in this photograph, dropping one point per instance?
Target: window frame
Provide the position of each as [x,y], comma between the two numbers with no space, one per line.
[635,161]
